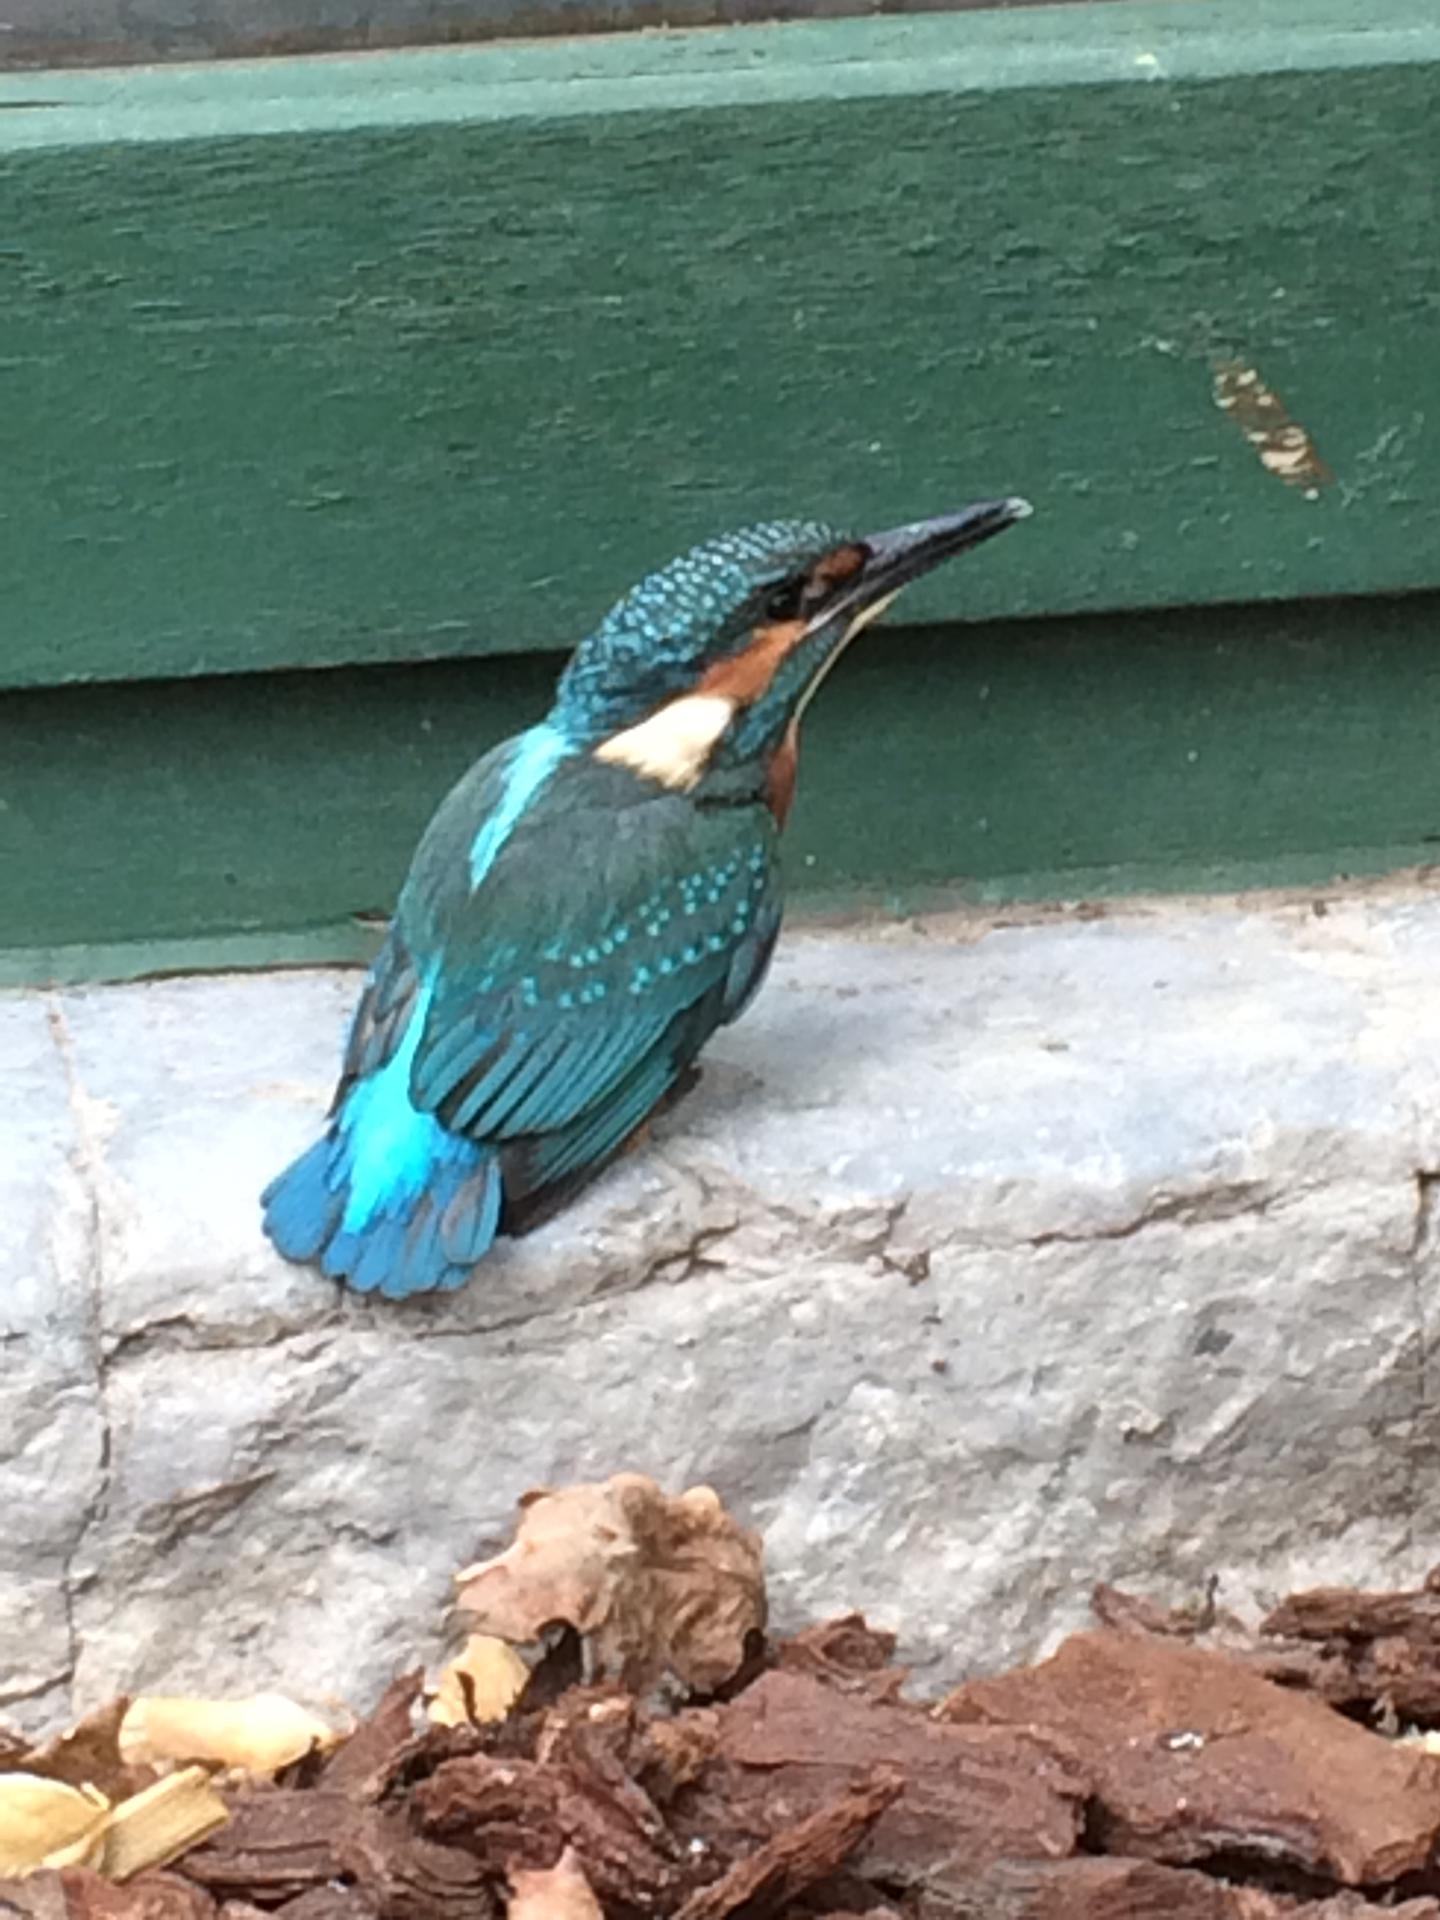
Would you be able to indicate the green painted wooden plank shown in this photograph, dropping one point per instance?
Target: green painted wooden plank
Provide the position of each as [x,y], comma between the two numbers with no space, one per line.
[259,820]
[428,355]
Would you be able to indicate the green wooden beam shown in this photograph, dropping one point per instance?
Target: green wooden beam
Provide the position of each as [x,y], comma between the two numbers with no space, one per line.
[428,355]
[268,819]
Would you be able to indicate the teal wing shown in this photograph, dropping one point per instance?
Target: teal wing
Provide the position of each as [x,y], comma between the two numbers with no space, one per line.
[567,992]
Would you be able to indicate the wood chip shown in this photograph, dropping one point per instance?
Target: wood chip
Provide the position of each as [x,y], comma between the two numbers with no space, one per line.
[259,1735]
[480,1685]
[157,1825]
[48,1823]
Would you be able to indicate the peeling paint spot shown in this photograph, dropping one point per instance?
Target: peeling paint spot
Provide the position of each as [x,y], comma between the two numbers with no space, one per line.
[1284,446]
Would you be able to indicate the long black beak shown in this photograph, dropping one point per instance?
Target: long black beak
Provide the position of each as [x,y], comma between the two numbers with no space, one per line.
[904,553]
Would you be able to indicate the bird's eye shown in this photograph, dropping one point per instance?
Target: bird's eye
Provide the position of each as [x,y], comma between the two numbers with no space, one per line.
[782,601]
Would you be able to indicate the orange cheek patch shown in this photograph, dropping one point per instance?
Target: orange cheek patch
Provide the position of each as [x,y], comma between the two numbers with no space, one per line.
[839,566]
[746,675]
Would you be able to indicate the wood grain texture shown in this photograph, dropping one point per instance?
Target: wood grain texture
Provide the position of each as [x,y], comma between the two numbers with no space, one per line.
[428,355]
[249,821]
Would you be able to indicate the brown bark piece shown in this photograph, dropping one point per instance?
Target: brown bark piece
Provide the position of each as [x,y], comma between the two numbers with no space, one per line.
[1090,1889]
[1364,1649]
[1133,1613]
[797,1858]
[149,1896]
[1336,1613]
[1342,1906]
[971,1795]
[1116,1889]
[1194,1755]
[281,1844]
[412,1878]
[670,1755]
[519,1815]
[846,1653]
[330,1903]
[364,1765]
[276,1844]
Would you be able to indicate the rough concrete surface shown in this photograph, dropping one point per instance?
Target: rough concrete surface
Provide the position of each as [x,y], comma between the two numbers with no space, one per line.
[984,1262]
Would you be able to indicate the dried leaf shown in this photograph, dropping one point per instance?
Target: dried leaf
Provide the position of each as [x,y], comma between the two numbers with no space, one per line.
[260,1735]
[655,1583]
[47,1823]
[560,1892]
[156,1826]
[480,1685]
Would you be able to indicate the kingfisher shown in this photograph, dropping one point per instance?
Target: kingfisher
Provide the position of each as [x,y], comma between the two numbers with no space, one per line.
[589,903]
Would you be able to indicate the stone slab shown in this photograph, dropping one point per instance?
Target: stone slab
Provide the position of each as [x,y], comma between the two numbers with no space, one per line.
[987,1260]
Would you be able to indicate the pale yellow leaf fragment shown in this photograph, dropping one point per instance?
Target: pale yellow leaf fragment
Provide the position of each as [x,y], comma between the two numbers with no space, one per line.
[480,1685]
[259,1735]
[46,1823]
[655,1583]
[560,1892]
[159,1824]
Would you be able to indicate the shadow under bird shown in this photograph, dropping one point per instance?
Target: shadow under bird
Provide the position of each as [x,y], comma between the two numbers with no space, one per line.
[591,901]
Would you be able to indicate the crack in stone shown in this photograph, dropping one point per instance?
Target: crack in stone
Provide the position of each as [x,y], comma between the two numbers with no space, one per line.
[1228,1201]
[182,1333]
[1427,1184]
[87,1163]
[17,1696]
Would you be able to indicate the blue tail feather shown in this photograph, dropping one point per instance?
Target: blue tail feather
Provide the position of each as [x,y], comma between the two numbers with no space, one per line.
[302,1209]
[416,1240]
[389,1201]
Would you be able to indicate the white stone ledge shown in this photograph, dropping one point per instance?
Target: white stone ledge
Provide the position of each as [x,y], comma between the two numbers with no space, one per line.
[984,1262]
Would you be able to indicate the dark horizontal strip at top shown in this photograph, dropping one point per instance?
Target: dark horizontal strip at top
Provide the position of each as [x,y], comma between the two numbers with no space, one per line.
[46,33]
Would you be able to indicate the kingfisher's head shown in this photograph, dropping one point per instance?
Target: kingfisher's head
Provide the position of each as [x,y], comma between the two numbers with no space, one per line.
[709,661]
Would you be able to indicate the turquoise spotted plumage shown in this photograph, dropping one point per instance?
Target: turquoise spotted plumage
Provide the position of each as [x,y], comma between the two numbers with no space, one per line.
[590,903]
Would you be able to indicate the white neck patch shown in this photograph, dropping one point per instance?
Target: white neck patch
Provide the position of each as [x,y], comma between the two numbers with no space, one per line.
[674,745]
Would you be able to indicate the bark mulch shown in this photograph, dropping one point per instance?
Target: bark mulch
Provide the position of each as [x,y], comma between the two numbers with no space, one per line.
[1162,1766]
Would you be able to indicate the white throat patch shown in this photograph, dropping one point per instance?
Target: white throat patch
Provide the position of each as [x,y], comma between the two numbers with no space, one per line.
[857,625]
[674,745]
